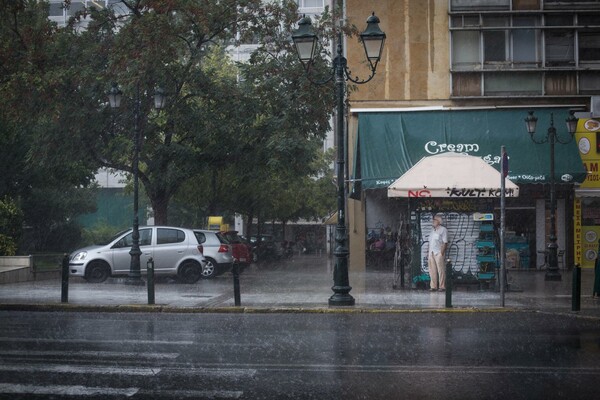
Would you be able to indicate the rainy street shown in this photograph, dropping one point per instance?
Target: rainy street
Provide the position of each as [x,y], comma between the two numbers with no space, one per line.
[367,355]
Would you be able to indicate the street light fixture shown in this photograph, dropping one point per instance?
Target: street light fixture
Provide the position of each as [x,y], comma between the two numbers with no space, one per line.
[552,272]
[114,98]
[306,43]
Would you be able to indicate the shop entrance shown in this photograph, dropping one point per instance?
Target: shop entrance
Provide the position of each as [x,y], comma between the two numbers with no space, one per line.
[519,239]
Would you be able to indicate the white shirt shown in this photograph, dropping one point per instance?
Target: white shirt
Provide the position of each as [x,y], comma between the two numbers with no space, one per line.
[437,238]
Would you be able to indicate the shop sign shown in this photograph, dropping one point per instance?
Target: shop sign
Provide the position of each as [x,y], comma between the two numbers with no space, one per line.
[454,192]
[589,245]
[588,144]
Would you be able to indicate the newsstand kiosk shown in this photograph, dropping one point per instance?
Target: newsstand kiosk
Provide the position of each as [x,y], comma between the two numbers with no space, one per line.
[464,190]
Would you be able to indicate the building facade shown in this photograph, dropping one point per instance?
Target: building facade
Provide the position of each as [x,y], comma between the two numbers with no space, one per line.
[461,76]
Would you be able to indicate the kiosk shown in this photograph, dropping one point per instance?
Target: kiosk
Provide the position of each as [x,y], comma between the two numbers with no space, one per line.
[464,190]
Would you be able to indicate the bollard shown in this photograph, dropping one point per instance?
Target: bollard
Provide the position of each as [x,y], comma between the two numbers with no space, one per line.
[449,283]
[576,293]
[236,284]
[64,275]
[150,279]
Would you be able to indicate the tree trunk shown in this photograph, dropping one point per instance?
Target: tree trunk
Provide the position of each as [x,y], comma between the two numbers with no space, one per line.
[159,206]
[248,226]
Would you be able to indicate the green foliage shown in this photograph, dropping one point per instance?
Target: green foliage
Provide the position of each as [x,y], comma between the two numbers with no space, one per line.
[233,138]
[11,220]
[42,165]
[99,234]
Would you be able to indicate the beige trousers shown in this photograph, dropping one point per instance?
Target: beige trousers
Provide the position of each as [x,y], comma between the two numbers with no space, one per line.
[437,271]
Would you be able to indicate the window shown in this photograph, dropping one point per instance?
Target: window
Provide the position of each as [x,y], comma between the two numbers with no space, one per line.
[571,4]
[526,4]
[506,83]
[166,236]
[559,48]
[589,82]
[466,84]
[76,6]
[560,83]
[525,51]
[56,8]
[589,47]
[479,5]
[200,237]
[548,53]
[310,4]
[465,49]
[127,240]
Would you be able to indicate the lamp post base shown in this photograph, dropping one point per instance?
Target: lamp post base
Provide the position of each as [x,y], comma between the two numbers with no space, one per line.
[553,276]
[341,299]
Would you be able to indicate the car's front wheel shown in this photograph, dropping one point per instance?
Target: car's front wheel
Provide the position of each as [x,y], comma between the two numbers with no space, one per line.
[96,272]
[189,272]
[210,269]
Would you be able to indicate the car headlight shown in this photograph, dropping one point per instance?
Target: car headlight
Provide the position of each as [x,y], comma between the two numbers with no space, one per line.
[80,256]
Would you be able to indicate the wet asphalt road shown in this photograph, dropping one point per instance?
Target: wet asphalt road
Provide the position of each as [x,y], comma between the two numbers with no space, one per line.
[460,355]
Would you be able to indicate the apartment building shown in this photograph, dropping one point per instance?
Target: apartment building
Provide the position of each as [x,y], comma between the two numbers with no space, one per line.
[461,76]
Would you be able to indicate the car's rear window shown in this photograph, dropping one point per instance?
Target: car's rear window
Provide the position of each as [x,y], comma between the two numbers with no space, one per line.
[233,238]
[222,238]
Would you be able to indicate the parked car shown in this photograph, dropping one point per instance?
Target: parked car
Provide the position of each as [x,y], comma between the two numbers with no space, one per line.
[217,251]
[242,251]
[175,251]
[265,248]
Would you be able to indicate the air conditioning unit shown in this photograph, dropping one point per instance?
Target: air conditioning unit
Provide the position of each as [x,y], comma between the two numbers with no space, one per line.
[595,106]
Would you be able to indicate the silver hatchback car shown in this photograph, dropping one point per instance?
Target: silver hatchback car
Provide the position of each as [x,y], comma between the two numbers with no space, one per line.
[217,250]
[175,251]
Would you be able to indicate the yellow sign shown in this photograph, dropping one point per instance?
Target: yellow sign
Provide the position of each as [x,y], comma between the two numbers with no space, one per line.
[589,245]
[586,135]
[214,223]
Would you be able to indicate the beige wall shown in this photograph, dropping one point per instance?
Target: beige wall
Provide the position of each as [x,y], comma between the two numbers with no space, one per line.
[356,214]
[414,69]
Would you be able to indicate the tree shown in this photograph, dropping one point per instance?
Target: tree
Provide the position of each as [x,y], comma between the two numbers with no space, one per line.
[239,129]
[44,178]
[209,120]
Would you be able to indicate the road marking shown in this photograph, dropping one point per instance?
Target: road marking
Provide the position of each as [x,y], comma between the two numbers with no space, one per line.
[65,390]
[87,341]
[80,369]
[212,371]
[8,388]
[193,394]
[484,369]
[141,371]
[94,354]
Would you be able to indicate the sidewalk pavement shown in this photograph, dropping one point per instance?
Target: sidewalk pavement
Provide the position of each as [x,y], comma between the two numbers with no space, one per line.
[303,284]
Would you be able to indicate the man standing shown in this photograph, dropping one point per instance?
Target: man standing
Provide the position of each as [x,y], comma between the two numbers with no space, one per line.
[438,241]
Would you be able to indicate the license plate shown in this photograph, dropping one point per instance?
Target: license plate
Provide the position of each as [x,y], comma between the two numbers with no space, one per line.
[242,259]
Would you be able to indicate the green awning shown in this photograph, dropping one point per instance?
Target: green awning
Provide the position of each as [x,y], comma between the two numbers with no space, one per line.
[390,143]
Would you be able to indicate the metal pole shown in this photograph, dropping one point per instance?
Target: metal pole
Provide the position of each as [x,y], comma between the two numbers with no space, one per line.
[502,276]
[236,284]
[341,285]
[150,278]
[552,273]
[64,290]
[135,277]
[449,277]
[576,292]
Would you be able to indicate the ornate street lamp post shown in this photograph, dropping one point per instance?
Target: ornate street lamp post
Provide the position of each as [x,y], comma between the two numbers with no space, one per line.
[552,272]
[306,43]
[114,98]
